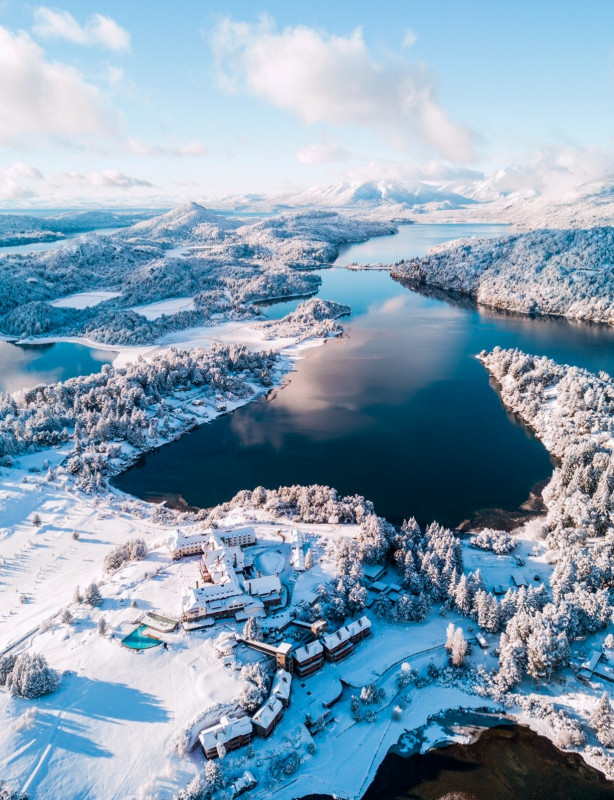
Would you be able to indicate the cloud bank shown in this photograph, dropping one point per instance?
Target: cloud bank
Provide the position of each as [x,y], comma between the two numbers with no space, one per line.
[98,29]
[322,78]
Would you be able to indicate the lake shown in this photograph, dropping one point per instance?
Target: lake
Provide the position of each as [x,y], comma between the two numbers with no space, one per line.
[505,763]
[23,366]
[398,409]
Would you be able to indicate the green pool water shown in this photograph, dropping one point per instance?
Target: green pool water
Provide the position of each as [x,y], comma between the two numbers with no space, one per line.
[138,640]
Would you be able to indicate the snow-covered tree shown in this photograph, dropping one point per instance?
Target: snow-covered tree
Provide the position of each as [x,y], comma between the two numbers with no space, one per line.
[102,626]
[253,630]
[92,595]
[601,720]
[31,676]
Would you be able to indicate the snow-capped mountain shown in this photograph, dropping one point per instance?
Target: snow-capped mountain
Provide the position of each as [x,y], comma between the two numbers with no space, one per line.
[361,196]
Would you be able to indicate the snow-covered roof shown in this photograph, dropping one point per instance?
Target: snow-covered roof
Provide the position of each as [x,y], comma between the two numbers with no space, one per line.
[179,539]
[267,712]
[225,731]
[308,651]
[267,584]
[282,684]
[194,598]
[333,640]
[359,626]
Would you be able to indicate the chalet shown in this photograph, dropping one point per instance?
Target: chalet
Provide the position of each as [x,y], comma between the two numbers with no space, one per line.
[282,684]
[239,537]
[359,629]
[308,659]
[267,716]
[228,734]
[481,641]
[337,645]
[213,600]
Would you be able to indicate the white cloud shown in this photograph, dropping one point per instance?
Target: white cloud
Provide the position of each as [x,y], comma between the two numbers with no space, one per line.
[105,179]
[428,171]
[42,97]
[12,177]
[334,79]
[138,148]
[321,153]
[98,29]
[550,171]
[409,38]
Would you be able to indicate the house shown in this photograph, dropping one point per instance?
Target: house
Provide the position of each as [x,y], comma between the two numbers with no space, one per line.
[308,659]
[519,580]
[228,734]
[373,572]
[481,641]
[267,716]
[337,645]
[589,666]
[282,684]
[359,629]
[239,537]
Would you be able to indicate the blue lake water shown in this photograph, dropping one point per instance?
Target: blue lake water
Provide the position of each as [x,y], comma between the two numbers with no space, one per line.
[398,409]
[24,366]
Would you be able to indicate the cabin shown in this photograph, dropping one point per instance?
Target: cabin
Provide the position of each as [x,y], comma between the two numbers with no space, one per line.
[519,580]
[308,659]
[267,716]
[373,572]
[228,734]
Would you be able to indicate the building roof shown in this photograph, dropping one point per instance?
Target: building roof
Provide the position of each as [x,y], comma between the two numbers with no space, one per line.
[267,584]
[179,539]
[519,579]
[308,651]
[224,731]
[359,626]
[336,638]
[282,684]
[373,571]
[267,712]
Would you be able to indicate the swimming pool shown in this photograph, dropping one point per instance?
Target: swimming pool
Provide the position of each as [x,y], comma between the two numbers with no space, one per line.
[138,640]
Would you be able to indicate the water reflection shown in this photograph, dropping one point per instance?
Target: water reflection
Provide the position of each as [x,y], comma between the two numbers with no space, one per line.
[398,409]
[24,366]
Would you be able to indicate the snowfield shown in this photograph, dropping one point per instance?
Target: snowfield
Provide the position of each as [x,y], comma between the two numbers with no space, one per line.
[83,299]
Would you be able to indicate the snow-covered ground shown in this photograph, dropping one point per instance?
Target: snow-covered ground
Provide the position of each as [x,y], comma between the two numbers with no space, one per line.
[156,310]
[83,299]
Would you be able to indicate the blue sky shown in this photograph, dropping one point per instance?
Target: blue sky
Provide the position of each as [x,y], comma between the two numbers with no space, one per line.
[160,101]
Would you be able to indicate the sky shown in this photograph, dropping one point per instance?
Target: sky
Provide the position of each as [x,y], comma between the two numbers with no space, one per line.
[158,102]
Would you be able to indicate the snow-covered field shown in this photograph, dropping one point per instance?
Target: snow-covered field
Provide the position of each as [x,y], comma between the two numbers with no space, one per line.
[83,299]
[156,310]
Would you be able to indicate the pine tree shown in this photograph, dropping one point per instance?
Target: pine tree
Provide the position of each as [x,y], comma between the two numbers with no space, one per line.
[92,595]
[67,617]
[309,559]
[355,708]
[102,626]
[601,720]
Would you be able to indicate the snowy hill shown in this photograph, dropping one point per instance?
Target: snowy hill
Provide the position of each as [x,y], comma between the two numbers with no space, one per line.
[16,229]
[561,272]
[189,222]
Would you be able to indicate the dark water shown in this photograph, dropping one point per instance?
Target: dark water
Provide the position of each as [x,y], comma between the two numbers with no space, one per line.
[24,366]
[398,409]
[506,763]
